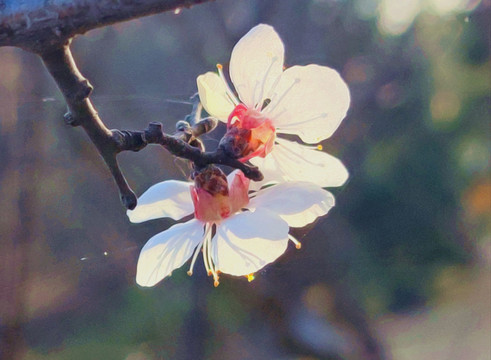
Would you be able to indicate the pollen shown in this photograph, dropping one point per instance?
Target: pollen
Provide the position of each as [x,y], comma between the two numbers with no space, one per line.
[216,283]
[250,277]
[320,147]
[298,246]
[219,66]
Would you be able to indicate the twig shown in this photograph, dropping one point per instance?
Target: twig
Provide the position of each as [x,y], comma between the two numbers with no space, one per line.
[154,135]
[76,90]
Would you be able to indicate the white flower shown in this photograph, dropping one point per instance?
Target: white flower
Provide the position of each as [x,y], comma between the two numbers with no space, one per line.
[248,232]
[308,101]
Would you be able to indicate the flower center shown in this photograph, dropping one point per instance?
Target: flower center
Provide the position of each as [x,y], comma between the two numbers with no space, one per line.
[249,133]
[214,199]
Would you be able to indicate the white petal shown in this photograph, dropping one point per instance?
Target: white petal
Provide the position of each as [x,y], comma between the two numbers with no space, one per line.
[169,198]
[256,64]
[309,101]
[298,203]
[246,242]
[213,96]
[291,161]
[168,251]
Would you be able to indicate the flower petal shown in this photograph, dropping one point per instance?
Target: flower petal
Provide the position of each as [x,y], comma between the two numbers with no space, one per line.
[232,175]
[309,101]
[256,64]
[168,251]
[213,96]
[246,242]
[291,161]
[169,198]
[298,203]
[238,190]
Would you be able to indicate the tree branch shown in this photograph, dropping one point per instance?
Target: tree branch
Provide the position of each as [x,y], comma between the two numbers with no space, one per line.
[154,135]
[35,25]
[76,90]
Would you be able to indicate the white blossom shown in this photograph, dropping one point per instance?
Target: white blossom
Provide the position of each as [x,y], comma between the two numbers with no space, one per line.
[308,101]
[252,233]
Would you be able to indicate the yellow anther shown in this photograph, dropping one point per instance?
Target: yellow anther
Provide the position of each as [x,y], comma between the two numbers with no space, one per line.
[216,283]
[250,277]
[219,66]
[190,273]
[319,147]
[298,246]
[210,273]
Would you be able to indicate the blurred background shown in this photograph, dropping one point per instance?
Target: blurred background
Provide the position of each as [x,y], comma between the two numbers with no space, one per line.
[399,269]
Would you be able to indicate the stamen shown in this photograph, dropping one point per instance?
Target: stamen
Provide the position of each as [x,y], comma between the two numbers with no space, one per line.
[313,147]
[297,243]
[299,123]
[273,88]
[195,255]
[205,250]
[259,102]
[276,102]
[250,277]
[289,154]
[230,93]
[207,256]
[254,102]
[212,266]
[265,103]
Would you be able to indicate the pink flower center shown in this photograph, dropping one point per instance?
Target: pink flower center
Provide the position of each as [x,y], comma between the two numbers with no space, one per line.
[214,199]
[253,132]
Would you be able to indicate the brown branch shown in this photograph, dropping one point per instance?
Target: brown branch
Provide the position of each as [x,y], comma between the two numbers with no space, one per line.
[76,90]
[154,135]
[35,25]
